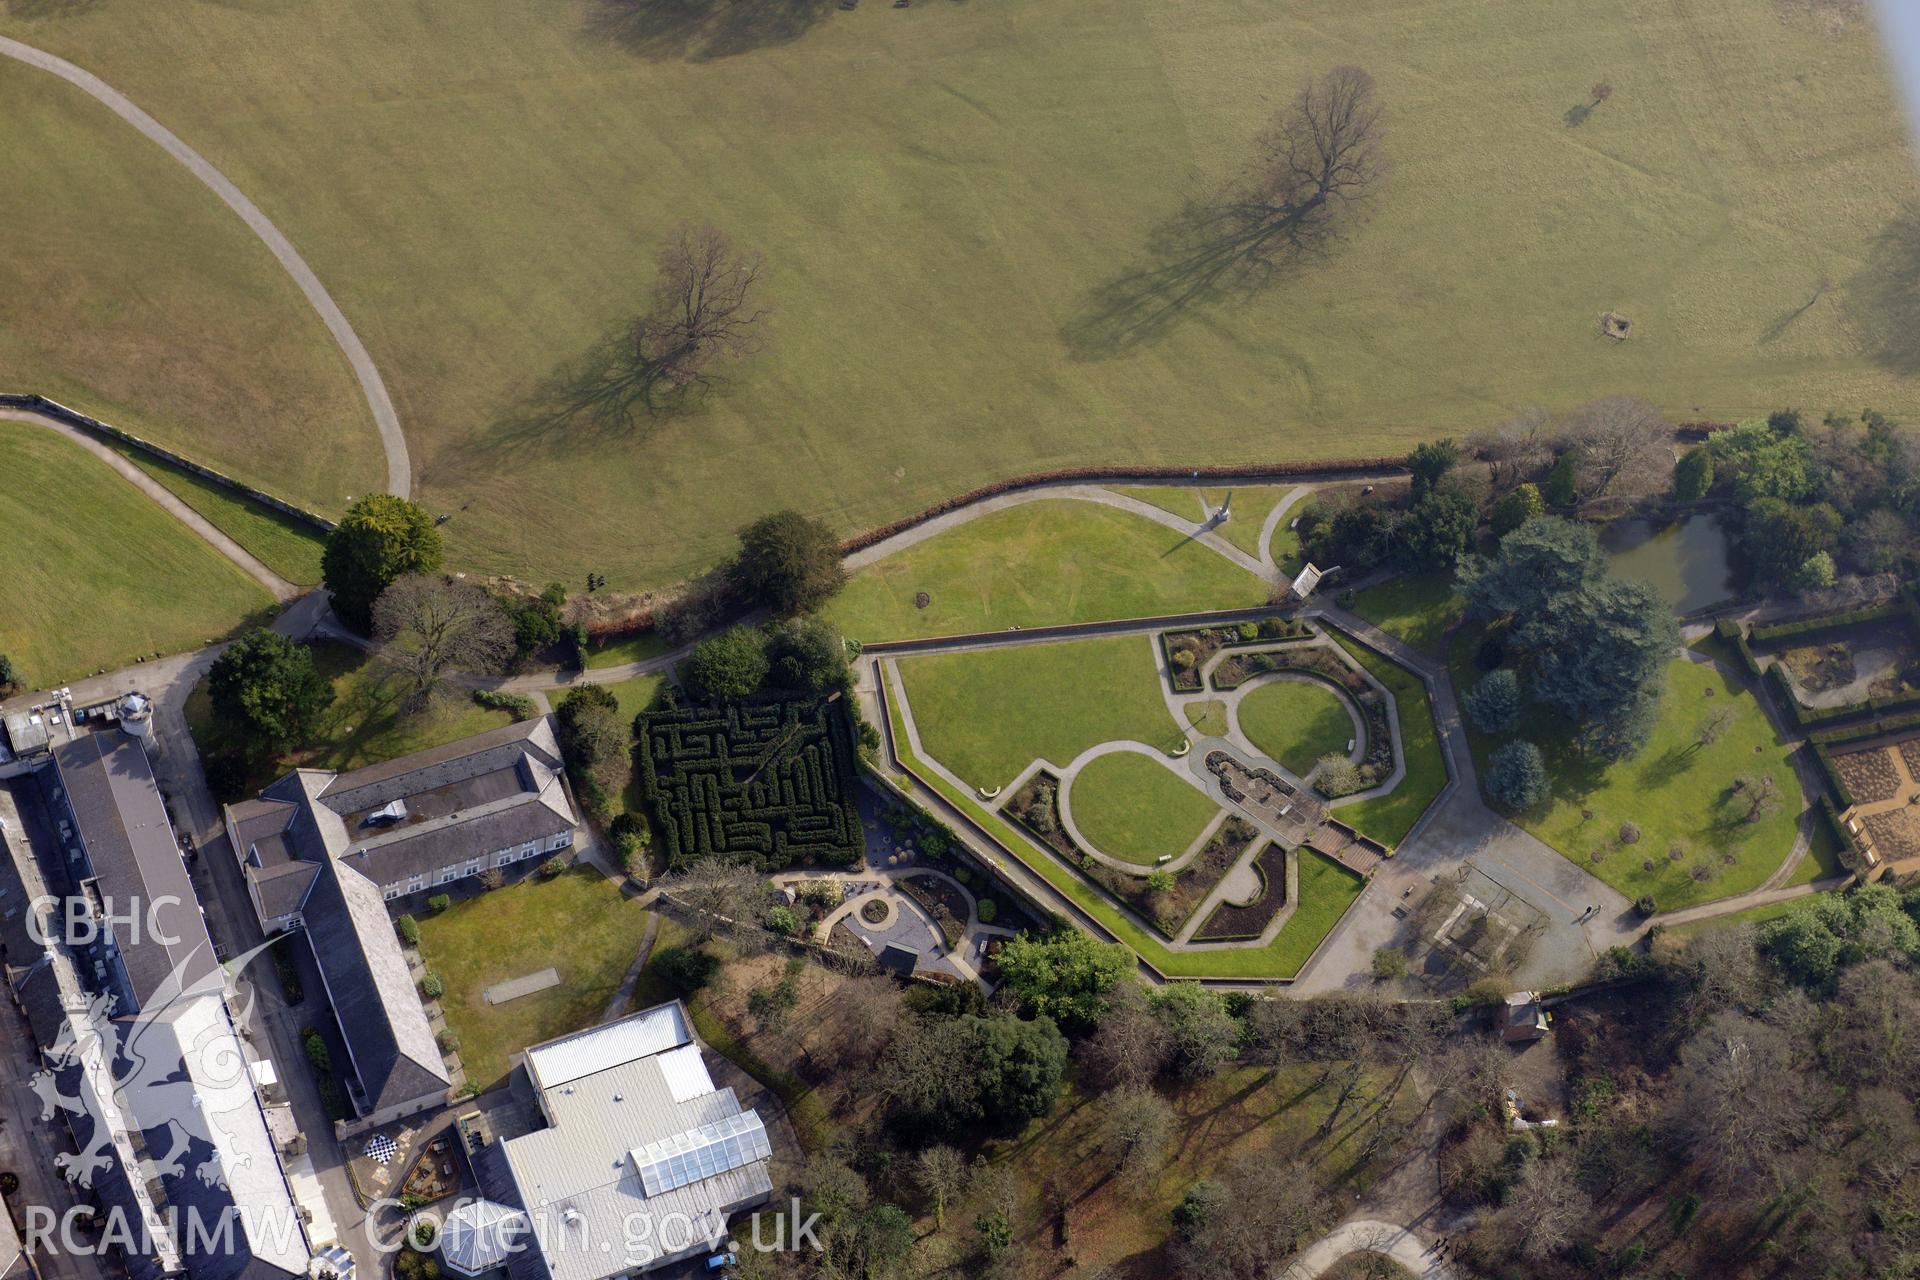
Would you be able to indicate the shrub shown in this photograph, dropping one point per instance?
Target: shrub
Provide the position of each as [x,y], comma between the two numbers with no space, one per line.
[1693,474]
[987,909]
[432,987]
[1629,833]
[1249,630]
[409,930]
[1389,962]
[554,866]
[1494,703]
[439,902]
[1183,659]
[1338,776]
[1559,490]
[1517,777]
[317,1054]
[783,921]
[1645,905]
[684,969]
[517,705]
[11,681]
[1516,508]
[449,1040]
[1160,881]
[493,878]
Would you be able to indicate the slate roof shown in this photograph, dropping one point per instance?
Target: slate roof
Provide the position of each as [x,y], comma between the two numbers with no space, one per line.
[495,790]
[391,1045]
[135,857]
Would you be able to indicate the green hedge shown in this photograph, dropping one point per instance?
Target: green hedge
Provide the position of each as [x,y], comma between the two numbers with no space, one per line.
[1851,855]
[1836,785]
[769,781]
[1828,622]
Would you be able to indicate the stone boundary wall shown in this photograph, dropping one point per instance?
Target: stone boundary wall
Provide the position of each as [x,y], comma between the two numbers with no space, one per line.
[114,435]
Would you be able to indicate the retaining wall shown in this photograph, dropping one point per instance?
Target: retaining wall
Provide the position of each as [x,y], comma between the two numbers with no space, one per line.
[107,431]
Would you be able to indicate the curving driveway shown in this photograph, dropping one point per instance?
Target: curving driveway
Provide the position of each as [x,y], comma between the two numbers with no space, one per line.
[1368,1235]
[399,468]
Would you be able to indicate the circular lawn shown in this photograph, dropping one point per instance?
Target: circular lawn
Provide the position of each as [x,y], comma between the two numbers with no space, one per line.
[1136,809]
[1295,722]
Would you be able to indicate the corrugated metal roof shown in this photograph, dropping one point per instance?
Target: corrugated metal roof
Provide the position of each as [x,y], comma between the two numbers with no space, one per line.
[686,1072]
[575,1057]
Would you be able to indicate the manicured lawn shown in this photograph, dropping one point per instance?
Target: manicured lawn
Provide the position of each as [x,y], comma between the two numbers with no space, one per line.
[289,547]
[138,297]
[636,695]
[1823,858]
[1417,608]
[1296,722]
[1040,563]
[367,723]
[1251,503]
[577,923]
[634,648]
[1333,886]
[1208,719]
[1388,818]
[990,713]
[946,327]
[94,574]
[1678,792]
[1135,809]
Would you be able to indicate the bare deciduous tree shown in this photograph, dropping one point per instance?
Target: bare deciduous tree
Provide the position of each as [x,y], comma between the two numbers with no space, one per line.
[703,313]
[1272,1205]
[723,896]
[1135,1124]
[1516,449]
[1624,447]
[942,1174]
[430,627]
[1546,1208]
[1319,159]
[1131,1045]
[1740,1100]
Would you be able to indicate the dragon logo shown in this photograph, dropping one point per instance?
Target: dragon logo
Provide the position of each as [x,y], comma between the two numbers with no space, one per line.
[162,1085]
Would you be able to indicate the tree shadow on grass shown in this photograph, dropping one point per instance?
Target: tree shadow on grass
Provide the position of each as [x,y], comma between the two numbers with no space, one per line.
[604,394]
[701,30]
[1227,246]
[1883,298]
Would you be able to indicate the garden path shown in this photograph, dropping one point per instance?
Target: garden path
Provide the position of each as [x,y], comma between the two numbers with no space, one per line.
[170,503]
[1370,1235]
[379,403]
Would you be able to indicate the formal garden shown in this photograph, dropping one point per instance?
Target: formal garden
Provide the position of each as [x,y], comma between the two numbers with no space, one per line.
[1073,756]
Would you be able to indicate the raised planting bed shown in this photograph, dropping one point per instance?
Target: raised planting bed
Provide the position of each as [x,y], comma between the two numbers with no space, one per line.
[769,782]
[1231,923]
[1036,807]
[1188,651]
[1191,887]
[873,912]
[943,901]
[1870,774]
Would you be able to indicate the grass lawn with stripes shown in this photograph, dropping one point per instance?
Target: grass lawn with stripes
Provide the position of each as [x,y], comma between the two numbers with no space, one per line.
[1137,809]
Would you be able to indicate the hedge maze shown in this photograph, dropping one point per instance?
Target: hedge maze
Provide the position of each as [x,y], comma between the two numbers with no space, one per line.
[766,782]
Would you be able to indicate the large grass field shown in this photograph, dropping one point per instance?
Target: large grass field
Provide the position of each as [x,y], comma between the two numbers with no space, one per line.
[1295,722]
[1136,810]
[989,713]
[941,193]
[94,574]
[1326,891]
[1040,563]
[135,295]
[1679,793]
[578,923]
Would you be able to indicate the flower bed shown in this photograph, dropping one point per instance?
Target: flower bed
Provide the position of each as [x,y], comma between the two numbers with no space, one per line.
[1230,923]
[1036,807]
[1188,651]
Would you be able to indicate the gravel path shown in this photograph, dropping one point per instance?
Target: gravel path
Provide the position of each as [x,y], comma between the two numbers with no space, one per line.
[399,468]
[1369,1235]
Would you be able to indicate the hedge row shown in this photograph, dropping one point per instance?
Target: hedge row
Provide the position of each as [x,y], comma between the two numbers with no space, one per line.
[1828,622]
[1837,791]
[1331,468]
[769,782]
[1852,856]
